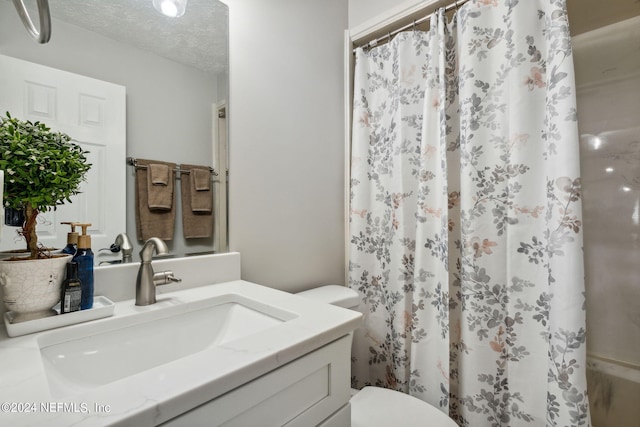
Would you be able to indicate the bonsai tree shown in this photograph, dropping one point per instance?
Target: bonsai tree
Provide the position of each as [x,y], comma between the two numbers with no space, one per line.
[43,169]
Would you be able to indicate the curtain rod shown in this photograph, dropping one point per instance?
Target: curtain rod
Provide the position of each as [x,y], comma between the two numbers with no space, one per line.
[455,5]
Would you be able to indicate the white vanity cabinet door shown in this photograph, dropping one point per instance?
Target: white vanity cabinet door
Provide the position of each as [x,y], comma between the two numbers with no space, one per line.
[302,393]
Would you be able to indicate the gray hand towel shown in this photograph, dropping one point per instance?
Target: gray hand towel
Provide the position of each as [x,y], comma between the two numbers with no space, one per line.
[153,222]
[201,179]
[159,173]
[159,186]
[195,224]
[201,194]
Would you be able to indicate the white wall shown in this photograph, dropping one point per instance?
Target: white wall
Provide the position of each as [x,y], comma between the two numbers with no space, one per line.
[608,97]
[286,140]
[361,11]
[164,121]
[608,101]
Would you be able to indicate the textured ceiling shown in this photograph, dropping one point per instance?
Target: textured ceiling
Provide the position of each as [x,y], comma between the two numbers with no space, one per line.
[198,39]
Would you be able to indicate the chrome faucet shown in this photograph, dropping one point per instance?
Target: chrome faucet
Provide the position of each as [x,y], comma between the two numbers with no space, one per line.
[122,240]
[147,281]
[122,244]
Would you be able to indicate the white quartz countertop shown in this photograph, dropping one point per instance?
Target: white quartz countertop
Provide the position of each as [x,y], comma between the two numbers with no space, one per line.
[158,394]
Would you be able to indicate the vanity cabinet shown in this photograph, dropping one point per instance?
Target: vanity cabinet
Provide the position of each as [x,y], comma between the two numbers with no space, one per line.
[310,391]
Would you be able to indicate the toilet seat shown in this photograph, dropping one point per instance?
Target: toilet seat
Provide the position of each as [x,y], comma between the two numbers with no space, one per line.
[380,407]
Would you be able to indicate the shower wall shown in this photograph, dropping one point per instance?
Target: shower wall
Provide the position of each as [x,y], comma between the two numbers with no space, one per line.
[607,64]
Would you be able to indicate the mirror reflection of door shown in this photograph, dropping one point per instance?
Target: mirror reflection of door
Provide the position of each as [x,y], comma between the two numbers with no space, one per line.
[221,159]
[92,112]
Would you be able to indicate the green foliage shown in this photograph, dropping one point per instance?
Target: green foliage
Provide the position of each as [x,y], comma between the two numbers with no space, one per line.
[42,168]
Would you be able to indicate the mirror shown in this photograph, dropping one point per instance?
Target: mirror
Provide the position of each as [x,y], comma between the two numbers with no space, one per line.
[175,71]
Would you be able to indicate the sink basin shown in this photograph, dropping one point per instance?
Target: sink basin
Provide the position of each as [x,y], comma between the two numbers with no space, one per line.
[89,357]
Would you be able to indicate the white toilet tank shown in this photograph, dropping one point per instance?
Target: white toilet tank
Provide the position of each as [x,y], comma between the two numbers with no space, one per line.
[335,295]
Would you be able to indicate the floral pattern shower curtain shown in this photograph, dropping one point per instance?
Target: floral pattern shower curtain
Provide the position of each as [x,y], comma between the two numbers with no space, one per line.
[465,222]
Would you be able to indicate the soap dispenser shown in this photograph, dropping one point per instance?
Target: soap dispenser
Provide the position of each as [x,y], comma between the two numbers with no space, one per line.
[72,239]
[84,258]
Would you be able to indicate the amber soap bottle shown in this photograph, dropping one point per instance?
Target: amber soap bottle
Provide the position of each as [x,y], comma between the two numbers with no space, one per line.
[71,290]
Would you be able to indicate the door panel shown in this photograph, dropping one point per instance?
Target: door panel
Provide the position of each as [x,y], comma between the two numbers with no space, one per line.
[93,113]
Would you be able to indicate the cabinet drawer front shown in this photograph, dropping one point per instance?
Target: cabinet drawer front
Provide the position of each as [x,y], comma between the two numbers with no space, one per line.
[302,393]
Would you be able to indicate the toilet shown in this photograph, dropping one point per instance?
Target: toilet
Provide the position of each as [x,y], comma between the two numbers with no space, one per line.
[376,406]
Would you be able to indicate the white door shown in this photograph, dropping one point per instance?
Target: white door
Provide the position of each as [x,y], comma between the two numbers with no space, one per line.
[220,162]
[93,113]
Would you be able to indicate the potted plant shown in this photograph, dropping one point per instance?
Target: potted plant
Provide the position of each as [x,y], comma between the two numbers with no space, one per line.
[43,169]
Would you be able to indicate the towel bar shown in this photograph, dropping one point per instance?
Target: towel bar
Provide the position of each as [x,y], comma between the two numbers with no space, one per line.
[134,162]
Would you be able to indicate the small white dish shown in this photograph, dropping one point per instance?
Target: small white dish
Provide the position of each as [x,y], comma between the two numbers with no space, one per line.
[102,307]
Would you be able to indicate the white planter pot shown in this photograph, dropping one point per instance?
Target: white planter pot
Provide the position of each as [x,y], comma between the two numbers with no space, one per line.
[16,253]
[23,253]
[32,287]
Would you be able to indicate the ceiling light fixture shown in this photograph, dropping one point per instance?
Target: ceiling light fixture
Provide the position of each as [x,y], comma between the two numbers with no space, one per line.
[171,8]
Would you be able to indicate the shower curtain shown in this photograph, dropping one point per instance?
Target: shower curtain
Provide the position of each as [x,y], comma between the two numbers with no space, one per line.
[465,217]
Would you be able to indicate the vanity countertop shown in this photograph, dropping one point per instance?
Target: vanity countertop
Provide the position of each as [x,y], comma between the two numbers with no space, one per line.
[158,394]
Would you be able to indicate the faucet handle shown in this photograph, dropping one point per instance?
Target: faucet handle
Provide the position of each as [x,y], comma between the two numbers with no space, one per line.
[174,278]
[113,248]
[165,277]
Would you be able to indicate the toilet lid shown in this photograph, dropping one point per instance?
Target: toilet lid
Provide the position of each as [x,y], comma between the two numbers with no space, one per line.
[380,407]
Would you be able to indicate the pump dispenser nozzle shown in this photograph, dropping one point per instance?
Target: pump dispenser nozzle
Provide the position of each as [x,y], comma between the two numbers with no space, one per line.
[84,240]
[72,239]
